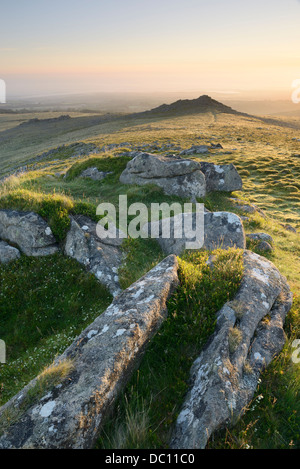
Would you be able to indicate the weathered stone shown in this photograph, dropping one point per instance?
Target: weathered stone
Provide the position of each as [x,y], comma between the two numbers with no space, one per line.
[264,246]
[249,333]
[222,177]
[102,257]
[247,208]
[146,165]
[103,356]
[30,232]
[174,175]
[132,154]
[8,253]
[94,174]
[195,150]
[221,229]
[260,237]
[289,228]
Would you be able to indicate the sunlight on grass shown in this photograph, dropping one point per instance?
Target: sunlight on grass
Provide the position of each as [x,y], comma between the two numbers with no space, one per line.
[264,155]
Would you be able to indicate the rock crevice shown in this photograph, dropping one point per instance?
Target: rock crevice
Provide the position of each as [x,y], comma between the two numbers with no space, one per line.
[102,257]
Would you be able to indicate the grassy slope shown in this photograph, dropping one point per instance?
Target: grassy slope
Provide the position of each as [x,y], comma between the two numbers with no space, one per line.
[262,152]
[44,304]
[20,143]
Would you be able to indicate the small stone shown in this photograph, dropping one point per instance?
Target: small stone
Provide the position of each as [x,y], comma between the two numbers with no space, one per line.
[195,150]
[260,237]
[289,228]
[8,253]
[264,246]
[94,174]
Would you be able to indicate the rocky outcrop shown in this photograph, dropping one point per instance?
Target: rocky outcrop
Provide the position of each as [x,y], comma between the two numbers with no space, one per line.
[94,174]
[175,175]
[223,177]
[221,230]
[102,257]
[103,357]
[249,333]
[181,176]
[8,253]
[30,232]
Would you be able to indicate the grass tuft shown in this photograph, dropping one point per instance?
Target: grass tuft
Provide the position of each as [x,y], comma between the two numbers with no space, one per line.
[54,374]
[234,338]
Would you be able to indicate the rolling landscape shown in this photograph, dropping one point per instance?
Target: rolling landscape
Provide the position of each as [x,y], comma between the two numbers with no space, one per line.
[42,156]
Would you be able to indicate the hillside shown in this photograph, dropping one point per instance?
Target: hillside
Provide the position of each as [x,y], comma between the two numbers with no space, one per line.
[192,106]
[27,135]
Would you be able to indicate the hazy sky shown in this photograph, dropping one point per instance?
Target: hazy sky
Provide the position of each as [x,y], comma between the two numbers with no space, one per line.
[148,45]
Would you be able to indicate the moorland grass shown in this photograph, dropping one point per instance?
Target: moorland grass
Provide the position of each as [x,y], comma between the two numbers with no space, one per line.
[263,152]
[56,208]
[106,164]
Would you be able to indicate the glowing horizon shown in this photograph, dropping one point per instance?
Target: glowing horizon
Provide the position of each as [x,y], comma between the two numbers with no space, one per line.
[148,46]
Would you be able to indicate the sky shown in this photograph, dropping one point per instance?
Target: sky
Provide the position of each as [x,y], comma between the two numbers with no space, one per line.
[73,46]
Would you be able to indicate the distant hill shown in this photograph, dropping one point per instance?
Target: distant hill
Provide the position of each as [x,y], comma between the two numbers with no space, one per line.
[192,106]
[202,105]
